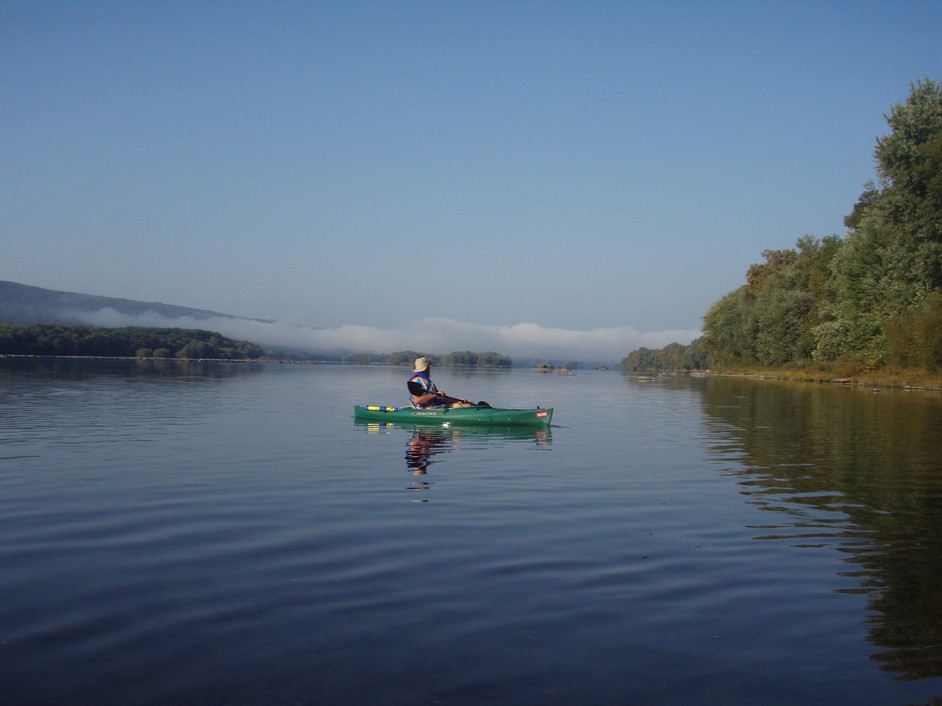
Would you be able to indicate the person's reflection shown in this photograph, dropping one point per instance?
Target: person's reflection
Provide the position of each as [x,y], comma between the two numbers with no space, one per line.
[423,444]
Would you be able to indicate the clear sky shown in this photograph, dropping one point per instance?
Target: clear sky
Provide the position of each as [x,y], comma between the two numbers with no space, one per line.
[597,173]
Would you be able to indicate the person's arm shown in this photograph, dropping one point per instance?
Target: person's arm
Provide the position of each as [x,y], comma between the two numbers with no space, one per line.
[420,397]
[426,398]
[453,400]
[429,397]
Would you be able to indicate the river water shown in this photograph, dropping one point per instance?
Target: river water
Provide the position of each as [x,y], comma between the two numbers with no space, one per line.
[227,534]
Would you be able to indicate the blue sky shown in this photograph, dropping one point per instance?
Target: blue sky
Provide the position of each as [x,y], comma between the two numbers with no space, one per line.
[592,174]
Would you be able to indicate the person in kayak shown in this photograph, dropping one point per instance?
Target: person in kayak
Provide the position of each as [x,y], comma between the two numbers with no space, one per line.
[424,393]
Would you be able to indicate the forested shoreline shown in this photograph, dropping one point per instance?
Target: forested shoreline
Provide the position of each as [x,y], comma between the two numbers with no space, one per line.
[674,356]
[73,340]
[456,359]
[59,340]
[867,302]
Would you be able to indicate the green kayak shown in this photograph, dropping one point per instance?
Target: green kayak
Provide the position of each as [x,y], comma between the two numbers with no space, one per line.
[457,416]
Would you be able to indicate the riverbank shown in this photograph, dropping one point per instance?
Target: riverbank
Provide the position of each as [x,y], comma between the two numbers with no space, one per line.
[842,374]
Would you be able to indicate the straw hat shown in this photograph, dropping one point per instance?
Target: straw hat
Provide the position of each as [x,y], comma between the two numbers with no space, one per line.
[421,365]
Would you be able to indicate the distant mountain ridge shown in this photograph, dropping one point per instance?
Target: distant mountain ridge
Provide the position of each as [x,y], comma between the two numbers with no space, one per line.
[25,304]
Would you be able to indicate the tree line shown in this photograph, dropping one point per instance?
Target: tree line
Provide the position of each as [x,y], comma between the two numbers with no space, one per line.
[54,340]
[456,359]
[872,298]
[128,342]
[674,356]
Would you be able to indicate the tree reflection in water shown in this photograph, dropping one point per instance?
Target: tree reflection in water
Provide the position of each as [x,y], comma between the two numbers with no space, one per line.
[858,468]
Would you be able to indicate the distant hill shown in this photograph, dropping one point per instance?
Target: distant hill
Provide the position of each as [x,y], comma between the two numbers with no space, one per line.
[23,304]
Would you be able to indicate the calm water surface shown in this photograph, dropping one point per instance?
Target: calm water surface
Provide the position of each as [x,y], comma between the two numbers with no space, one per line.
[226,534]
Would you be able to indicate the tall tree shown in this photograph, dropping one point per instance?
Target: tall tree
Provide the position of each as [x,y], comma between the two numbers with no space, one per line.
[833,297]
[729,328]
[891,259]
[908,162]
[906,156]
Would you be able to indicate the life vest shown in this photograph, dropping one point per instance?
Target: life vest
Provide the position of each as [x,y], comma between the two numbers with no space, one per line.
[421,384]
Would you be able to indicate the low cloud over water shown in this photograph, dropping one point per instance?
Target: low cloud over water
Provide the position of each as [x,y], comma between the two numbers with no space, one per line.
[430,335]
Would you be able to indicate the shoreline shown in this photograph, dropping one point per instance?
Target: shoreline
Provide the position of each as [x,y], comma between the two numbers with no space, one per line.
[890,380]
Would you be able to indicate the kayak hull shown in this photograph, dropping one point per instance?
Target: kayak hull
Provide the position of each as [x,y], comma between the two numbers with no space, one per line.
[455,416]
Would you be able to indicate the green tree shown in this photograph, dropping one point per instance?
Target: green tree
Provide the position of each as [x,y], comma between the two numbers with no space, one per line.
[915,340]
[775,261]
[729,328]
[459,359]
[673,356]
[908,160]
[406,357]
[781,314]
[695,356]
[639,359]
[490,359]
[891,260]
[876,276]
[197,349]
[868,198]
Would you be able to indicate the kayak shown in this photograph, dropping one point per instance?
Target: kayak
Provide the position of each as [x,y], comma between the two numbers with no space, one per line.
[447,416]
[458,416]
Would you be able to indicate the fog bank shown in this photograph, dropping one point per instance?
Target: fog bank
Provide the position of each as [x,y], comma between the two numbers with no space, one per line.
[430,335]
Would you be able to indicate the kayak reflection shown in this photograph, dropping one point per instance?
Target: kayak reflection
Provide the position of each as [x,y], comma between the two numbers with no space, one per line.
[425,442]
[427,445]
